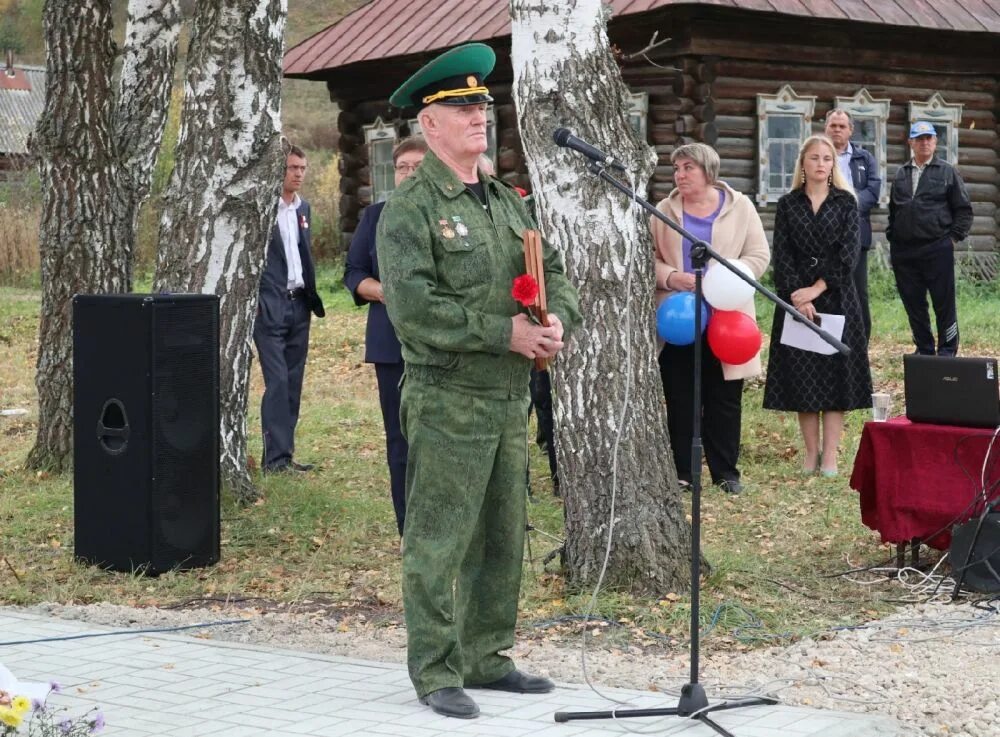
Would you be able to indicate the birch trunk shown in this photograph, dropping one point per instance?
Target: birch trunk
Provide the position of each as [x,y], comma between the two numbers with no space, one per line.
[75,145]
[95,163]
[146,81]
[616,470]
[222,197]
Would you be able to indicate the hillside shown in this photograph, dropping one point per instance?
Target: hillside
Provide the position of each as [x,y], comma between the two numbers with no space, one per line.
[308,114]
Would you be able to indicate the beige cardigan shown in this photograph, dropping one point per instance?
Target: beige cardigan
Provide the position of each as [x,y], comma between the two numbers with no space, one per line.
[736,233]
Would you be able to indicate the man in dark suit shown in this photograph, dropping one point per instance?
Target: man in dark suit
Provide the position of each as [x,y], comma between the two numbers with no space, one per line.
[361,277]
[281,331]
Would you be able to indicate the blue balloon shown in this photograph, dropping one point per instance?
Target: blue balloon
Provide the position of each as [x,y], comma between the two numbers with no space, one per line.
[675,318]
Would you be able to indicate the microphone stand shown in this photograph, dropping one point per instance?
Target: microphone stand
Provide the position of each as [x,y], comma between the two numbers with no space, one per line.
[693,702]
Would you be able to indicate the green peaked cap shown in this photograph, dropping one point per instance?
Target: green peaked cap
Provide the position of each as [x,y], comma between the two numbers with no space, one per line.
[453,78]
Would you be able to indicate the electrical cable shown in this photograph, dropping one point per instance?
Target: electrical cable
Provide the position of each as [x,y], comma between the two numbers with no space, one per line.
[113,633]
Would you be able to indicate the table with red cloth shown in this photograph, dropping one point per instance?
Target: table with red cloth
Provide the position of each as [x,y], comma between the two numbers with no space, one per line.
[916,479]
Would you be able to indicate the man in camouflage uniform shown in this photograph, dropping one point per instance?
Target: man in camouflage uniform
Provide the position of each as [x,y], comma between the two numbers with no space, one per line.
[449,247]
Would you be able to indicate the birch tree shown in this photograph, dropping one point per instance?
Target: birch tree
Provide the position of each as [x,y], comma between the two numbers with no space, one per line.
[95,160]
[222,196]
[616,470]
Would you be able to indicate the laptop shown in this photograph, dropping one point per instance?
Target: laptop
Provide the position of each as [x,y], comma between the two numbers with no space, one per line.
[952,391]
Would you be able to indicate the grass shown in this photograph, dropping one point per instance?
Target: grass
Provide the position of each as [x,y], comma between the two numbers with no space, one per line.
[326,541]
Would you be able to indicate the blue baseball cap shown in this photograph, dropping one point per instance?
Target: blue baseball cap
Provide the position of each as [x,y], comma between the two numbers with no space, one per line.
[922,128]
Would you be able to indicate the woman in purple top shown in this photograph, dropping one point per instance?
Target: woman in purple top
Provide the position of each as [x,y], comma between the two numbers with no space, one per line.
[713,211]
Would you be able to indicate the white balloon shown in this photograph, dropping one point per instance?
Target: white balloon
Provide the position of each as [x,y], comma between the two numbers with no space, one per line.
[724,290]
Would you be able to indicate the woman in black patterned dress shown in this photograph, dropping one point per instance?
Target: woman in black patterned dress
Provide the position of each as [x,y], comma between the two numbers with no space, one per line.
[814,253]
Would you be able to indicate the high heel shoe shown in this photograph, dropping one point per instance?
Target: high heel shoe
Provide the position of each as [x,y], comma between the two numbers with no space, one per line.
[828,473]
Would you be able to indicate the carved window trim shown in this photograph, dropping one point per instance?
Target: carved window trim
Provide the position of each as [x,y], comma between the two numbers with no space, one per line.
[381,138]
[862,106]
[638,113]
[785,103]
[942,115]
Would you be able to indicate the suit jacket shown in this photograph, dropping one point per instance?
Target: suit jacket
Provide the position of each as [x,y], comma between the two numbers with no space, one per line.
[274,279]
[381,343]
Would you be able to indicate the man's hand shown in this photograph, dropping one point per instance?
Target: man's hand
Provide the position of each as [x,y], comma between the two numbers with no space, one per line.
[371,289]
[535,341]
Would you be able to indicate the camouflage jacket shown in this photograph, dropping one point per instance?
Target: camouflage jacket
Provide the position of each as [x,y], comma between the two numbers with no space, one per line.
[447,268]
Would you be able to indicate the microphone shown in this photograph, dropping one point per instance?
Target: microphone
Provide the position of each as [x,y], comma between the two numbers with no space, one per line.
[565,139]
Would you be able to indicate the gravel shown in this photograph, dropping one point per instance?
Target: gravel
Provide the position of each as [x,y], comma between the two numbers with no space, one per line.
[934,667]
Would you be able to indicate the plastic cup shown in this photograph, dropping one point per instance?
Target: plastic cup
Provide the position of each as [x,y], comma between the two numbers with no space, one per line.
[881,403]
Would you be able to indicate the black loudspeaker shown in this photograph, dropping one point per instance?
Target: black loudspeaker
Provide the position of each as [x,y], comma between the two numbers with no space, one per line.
[146,431]
[980,570]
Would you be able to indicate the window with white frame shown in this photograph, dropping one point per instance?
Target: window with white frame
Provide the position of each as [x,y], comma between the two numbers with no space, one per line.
[491,132]
[870,118]
[381,139]
[783,123]
[638,113]
[946,119]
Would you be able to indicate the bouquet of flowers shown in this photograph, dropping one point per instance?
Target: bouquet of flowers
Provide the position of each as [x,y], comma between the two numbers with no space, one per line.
[23,705]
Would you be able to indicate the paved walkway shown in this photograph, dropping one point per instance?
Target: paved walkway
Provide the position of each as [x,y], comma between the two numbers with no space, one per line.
[182,685]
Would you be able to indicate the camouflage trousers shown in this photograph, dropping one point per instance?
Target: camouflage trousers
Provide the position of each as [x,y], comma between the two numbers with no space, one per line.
[464,533]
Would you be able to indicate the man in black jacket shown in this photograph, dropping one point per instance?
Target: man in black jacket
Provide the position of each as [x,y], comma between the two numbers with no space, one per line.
[281,330]
[929,212]
[861,170]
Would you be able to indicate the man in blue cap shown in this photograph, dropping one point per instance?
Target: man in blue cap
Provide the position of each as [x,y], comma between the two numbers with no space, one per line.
[929,213]
[449,246]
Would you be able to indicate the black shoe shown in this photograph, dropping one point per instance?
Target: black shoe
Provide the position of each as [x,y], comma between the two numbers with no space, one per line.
[520,682]
[303,467]
[278,468]
[451,702]
[731,486]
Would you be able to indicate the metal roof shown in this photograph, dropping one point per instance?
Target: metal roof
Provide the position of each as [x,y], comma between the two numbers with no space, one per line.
[387,28]
[20,108]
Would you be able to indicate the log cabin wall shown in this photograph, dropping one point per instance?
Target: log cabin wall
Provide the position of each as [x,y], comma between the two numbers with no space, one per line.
[703,86]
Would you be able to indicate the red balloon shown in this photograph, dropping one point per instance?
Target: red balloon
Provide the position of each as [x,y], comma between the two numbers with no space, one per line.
[733,336]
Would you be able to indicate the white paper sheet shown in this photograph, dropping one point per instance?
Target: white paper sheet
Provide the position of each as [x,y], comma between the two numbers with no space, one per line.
[796,335]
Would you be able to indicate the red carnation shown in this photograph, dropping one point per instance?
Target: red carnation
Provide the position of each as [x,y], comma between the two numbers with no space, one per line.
[525,289]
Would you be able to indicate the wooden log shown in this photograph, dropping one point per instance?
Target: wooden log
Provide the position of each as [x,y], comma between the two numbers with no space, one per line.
[349,143]
[661,94]
[348,185]
[663,174]
[666,114]
[348,207]
[979,174]
[736,148]
[705,72]
[348,164]
[662,134]
[736,126]
[509,159]
[687,86]
[983,192]
[741,168]
[685,124]
[705,112]
[746,185]
[983,226]
[845,74]
[508,138]
[742,106]
[976,156]
[348,122]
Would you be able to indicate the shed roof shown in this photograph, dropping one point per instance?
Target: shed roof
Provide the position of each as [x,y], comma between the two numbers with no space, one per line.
[386,28]
[21,104]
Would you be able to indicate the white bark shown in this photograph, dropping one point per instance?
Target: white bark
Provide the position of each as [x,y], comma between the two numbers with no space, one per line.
[222,196]
[608,399]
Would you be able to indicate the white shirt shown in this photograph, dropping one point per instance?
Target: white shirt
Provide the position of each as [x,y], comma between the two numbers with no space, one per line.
[844,162]
[288,227]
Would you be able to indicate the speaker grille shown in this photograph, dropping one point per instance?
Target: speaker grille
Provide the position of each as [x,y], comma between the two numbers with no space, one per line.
[185,431]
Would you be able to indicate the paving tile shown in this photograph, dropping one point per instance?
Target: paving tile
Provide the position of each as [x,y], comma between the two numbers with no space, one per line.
[176,685]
